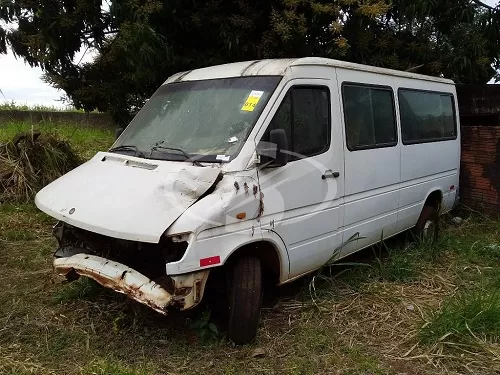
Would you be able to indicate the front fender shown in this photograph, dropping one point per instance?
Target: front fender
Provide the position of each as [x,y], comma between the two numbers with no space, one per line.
[218,246]
[234,194]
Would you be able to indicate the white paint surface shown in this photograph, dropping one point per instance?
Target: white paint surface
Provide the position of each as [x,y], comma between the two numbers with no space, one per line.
[114,197]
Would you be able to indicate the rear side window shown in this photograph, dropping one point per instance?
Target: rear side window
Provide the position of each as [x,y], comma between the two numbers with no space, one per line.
[369,117]
[426,116]
[305,116]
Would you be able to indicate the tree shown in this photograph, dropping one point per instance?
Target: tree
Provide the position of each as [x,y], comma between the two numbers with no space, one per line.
[141,42]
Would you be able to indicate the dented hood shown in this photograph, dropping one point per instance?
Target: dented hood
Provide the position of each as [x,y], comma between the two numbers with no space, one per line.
[125,197]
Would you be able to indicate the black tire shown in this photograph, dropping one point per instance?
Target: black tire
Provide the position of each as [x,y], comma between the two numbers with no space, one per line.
[428,214]
[245,297]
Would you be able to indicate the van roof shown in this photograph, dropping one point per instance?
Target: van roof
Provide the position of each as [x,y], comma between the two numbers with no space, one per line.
[277,67]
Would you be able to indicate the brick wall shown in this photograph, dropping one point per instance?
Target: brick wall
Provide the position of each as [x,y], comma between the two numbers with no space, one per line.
[480,168]
[479,107]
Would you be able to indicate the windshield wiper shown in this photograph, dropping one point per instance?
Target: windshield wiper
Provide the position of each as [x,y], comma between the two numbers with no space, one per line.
[184,153]
[137,152]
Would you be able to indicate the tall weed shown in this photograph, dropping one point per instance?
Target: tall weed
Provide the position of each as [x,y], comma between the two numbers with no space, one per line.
[467,315]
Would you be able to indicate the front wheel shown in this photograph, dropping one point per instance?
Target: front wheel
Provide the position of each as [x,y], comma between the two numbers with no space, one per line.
[245,296]
[427,227]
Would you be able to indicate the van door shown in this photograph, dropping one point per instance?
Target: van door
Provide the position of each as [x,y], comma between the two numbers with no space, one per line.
[302,200]
[430,153]
[372,157]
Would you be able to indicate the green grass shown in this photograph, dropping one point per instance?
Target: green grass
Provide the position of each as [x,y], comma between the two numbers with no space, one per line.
[85,140]
[468,320]
[395,260]
[17,235]
[465,316]
[13,106]
[83,288]
[396,265]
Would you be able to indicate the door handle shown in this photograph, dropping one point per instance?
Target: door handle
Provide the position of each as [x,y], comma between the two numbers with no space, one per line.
[330,174]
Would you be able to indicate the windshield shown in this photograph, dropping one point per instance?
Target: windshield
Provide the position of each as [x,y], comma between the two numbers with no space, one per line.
[208,120]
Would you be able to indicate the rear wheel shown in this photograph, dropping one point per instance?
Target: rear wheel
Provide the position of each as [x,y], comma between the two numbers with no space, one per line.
[245,296]
[427,227]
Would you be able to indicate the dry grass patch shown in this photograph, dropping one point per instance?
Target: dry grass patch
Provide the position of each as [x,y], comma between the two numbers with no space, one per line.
[30,161]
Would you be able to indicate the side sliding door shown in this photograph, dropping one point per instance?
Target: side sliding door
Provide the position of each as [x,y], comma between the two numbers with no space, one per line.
[372,157]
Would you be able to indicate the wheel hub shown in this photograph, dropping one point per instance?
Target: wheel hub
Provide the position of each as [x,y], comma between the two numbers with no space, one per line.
[429,230]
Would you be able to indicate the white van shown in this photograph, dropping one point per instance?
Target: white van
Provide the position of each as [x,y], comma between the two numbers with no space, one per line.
[261,169]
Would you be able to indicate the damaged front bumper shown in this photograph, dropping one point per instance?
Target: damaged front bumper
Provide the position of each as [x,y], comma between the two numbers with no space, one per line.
[182,291]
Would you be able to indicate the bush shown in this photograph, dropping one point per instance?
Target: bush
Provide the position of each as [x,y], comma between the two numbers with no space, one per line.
[30,161]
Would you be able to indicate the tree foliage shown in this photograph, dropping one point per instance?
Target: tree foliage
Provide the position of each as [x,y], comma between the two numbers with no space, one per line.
[141,42]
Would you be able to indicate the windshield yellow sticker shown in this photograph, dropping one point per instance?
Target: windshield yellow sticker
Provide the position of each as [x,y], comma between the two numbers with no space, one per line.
[252,101]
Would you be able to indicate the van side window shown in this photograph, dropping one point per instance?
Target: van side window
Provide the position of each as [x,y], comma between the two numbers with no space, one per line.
[426,116]
[305,116]
[369,117]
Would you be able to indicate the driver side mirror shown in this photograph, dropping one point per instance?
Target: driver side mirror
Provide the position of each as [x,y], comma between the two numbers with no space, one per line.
[278,137]
[274,153]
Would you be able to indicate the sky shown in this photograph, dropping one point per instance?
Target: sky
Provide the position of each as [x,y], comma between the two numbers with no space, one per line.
[22,84]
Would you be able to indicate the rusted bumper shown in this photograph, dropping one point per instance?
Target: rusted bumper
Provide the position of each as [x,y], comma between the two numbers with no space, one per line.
[184,291]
